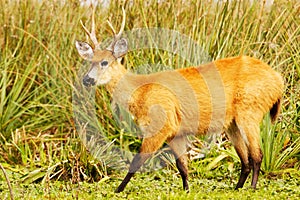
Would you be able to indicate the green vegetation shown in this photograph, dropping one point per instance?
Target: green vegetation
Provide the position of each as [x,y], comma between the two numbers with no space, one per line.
[161,185]
[40,147]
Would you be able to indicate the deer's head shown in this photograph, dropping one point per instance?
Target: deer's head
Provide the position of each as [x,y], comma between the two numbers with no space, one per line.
[104,62]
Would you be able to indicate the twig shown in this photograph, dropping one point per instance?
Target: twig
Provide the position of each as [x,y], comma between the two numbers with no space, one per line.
[8,182]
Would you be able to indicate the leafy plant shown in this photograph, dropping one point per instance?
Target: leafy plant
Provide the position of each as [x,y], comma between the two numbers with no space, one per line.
[277,147]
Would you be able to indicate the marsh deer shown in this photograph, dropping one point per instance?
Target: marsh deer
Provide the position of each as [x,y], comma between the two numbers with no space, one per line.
[170,105]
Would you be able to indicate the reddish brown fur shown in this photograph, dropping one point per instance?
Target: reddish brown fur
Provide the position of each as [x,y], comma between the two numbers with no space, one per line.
[250,87]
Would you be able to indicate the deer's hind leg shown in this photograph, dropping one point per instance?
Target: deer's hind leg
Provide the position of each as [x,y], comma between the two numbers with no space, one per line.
[241,148]
[251,134]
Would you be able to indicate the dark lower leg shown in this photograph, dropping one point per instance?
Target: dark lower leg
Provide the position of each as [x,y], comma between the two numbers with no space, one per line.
[124,182]
[256,169]
[244,174]
[181,165]
[237,135]
[178,145]
[246,165]
[136,163]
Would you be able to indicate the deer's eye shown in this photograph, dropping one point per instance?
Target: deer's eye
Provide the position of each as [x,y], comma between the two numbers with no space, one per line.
[104,63]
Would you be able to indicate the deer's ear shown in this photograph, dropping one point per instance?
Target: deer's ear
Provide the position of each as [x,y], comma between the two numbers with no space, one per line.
[84,50]
[120,48]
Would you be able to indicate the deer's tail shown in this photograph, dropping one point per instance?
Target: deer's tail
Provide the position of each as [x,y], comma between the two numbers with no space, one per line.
[275,110]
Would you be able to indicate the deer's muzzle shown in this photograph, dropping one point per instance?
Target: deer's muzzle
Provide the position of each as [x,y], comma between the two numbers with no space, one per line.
[88,81]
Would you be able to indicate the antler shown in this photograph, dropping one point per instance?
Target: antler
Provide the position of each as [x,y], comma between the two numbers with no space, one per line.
[117,36]
[92,34]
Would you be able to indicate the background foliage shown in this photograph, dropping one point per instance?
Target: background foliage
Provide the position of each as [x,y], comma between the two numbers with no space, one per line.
[38,64]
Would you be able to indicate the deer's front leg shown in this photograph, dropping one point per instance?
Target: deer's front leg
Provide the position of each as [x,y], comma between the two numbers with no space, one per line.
[179,144]
[135,165]
[149,146]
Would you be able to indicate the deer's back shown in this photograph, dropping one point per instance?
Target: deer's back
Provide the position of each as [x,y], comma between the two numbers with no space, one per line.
[208,97]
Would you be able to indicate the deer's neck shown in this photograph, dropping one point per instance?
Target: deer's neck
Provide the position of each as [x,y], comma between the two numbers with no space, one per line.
[123,85]
[118,73]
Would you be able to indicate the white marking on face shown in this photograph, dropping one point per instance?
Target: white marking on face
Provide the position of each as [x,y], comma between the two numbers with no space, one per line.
[104,77]
[93,73]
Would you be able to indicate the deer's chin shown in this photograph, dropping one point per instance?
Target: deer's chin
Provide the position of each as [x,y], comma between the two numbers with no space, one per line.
[103,81]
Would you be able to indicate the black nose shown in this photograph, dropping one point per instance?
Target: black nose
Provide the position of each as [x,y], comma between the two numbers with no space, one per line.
[88,81]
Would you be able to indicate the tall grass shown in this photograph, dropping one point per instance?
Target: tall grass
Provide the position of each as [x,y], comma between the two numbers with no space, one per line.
[36,69]
[39,66]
